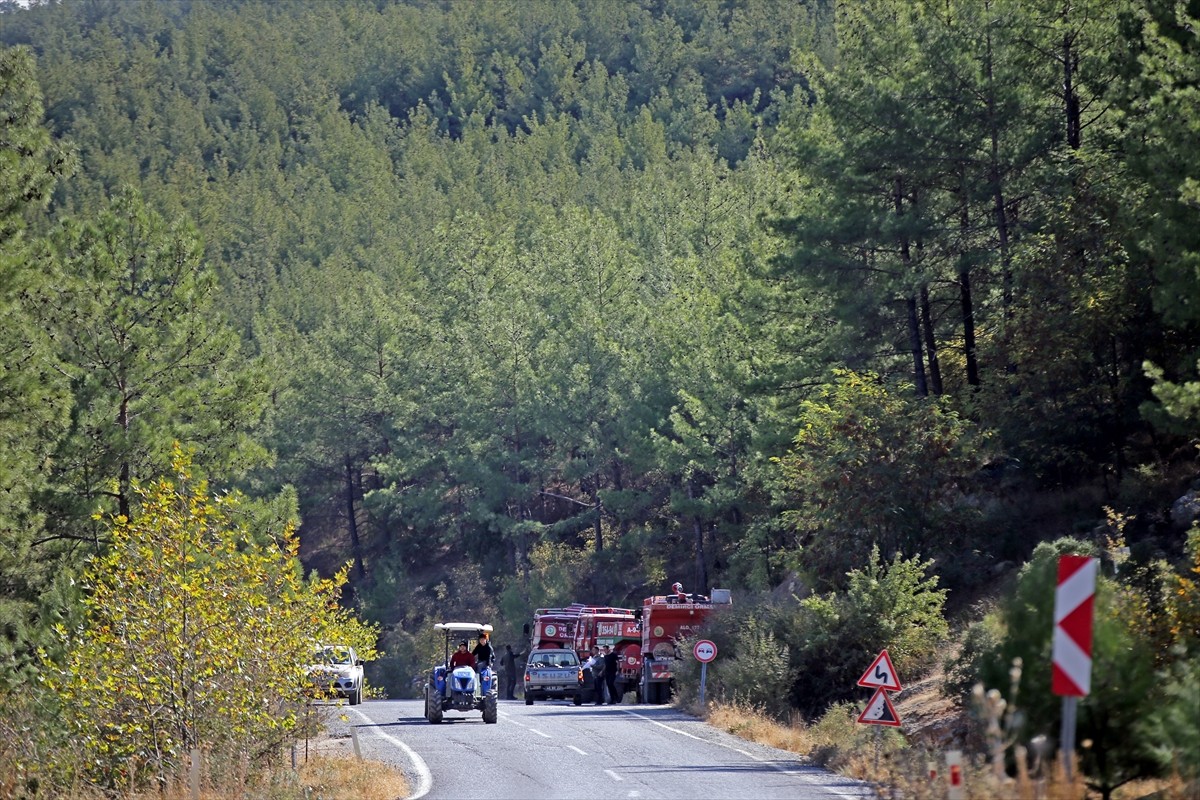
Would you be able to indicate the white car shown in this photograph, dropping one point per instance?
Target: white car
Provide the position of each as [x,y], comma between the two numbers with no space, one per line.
[337,671]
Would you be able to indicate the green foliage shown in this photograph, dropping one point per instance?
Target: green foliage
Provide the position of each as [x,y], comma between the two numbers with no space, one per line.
[754,672]
[1124,686]
[834,636]
[195,636]
[1172,727]
[33,395]
[872,469]
[133,315]
[526,339]
[980,642]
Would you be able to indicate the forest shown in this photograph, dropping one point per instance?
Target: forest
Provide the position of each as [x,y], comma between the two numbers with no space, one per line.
[510,304]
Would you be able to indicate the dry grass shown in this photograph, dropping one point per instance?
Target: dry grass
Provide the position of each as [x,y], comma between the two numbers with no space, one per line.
[755,726]
[333,777]
[839,743]
[325,776]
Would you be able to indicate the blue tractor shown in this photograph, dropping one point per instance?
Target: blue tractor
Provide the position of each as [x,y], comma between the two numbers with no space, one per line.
[463,688]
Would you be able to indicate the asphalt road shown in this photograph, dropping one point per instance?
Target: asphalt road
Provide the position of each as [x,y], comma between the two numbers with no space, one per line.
[554,750]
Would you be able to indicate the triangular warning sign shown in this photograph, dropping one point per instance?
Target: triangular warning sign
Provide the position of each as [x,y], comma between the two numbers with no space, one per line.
[880,711]
[881,674]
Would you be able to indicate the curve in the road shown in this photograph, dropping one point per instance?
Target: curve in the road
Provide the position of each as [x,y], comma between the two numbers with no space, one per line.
[424,776]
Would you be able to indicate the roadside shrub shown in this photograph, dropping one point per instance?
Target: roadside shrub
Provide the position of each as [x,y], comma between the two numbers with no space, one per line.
[751,672]
[1173,726]
[195,636]
[841,743]
[1124,688]
[980,642]
[835,636]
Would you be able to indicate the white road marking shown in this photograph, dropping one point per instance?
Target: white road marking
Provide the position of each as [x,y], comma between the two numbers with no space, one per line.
[577,750]
[539,733]
[424,776]
[613,775]
[796,773]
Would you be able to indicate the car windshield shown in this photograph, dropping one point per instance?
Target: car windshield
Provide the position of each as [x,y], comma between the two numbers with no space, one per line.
[334,654]
[565,659]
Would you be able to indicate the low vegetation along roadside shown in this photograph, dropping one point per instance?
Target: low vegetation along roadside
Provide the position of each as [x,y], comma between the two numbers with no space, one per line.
[192,639]
[789,668]
[901,766]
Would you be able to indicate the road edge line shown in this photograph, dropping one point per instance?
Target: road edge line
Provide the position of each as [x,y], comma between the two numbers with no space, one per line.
[424,776]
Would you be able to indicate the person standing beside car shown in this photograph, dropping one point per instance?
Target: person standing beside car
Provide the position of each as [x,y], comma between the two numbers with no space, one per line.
[610,674]
[596,664]
[509,662]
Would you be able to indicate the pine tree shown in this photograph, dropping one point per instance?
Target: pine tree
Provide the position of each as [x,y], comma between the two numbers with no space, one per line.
[33,398]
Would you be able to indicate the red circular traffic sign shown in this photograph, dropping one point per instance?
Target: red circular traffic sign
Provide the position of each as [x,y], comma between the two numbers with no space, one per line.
[704,651]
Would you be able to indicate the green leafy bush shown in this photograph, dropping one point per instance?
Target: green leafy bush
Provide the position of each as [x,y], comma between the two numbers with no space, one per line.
[753,671]
[874,467]
[837,635]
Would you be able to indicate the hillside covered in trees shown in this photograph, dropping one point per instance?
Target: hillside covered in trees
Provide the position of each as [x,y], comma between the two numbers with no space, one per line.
[521,302]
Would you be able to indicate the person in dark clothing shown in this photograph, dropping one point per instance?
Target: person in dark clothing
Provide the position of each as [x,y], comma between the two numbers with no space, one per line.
[509,662]
[610,674]
[483,652]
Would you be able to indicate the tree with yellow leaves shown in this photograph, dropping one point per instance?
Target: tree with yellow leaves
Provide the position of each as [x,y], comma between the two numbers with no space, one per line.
[196,635]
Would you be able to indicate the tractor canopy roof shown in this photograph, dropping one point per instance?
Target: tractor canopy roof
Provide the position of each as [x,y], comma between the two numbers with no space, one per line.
[462,627]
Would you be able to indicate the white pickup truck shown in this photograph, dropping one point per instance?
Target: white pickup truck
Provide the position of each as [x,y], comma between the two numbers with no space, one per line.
[553,673]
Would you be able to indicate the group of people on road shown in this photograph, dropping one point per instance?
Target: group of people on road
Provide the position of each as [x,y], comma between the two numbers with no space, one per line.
[603,664]
[485,654]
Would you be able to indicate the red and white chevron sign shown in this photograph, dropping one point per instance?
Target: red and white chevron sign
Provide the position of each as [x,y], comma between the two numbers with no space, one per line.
[1072,647]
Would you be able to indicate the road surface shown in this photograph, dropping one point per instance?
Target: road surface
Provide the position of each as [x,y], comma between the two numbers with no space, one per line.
[557,751]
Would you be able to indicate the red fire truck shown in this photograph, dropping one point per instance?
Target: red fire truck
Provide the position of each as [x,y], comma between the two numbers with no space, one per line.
[652,631]
[580,626]
[666,621]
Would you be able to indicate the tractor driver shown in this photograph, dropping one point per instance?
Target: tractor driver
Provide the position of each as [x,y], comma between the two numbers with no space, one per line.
[462,657]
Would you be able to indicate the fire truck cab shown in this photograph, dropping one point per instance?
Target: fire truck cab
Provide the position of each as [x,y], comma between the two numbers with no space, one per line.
[666,621]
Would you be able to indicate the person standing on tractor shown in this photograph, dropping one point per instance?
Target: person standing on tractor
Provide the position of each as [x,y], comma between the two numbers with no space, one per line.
[483,652]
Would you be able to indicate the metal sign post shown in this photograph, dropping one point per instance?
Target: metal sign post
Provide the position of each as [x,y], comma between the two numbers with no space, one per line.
[704,651]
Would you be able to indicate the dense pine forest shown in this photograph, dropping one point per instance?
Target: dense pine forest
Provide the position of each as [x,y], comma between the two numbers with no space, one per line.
[516,303]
